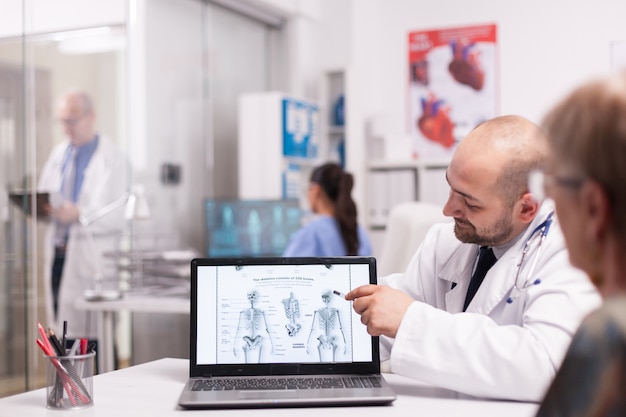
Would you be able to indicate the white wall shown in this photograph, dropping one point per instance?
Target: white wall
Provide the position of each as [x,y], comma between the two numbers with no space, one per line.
[172,81]
[42,16]
[545,47]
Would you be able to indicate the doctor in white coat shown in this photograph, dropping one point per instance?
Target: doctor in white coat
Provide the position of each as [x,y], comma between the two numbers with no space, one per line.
[98,178]
[508,342]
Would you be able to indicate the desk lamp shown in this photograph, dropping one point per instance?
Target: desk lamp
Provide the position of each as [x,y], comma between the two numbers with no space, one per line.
[136,209]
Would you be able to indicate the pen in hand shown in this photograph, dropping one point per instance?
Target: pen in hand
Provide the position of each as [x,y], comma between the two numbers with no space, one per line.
[339,293]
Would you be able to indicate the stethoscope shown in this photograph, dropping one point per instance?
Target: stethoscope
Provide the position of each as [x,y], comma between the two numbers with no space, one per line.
[540,232]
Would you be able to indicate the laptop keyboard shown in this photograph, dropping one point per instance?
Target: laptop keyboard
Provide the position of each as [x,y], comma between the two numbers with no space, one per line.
[221,384]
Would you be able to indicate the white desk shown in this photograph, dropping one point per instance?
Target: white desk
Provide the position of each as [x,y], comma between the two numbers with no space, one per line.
[105,319]
[152,389]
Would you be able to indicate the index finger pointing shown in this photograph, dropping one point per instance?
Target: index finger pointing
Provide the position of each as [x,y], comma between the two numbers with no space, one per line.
[361,291]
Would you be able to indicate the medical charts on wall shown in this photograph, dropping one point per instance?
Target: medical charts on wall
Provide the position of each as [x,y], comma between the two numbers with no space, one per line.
[300,131]
[300,128]
[452,86]
[280,314]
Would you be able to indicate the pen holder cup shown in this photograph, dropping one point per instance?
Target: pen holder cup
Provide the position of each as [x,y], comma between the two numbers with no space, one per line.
[69,381]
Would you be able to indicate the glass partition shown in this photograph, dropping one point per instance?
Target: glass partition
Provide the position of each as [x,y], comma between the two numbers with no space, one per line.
[165,78]
[36,69]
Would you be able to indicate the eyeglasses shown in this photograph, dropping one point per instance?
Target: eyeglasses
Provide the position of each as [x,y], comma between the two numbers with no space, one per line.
[540,182]
[71,121]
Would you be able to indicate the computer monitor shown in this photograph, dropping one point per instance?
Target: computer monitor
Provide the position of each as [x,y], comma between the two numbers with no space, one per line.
[250,227]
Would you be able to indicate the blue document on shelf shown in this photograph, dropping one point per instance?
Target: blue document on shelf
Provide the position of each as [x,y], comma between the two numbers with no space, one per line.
[300,128]
[292,181]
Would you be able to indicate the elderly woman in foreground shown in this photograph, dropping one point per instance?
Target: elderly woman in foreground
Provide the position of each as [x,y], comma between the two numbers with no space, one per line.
[586,178]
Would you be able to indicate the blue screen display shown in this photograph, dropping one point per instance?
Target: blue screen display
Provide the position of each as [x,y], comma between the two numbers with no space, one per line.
[250,227]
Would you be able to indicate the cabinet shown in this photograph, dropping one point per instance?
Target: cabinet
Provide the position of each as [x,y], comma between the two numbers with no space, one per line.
[333,98]
[390,183]
[279,143]
[282,138]
[394,182]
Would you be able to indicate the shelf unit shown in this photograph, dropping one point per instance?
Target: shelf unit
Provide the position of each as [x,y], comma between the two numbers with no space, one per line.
[394,182]
[333,98]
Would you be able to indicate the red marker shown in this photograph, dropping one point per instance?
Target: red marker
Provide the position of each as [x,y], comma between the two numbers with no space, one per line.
[83,346]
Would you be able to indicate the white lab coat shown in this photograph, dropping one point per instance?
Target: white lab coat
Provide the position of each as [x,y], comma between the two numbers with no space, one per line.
[495,349]
[105,181]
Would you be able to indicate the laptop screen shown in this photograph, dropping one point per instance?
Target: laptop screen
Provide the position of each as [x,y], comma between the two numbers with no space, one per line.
[266,311]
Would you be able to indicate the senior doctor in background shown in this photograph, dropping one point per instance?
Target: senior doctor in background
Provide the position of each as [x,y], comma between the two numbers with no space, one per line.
[87,172]
[504,337]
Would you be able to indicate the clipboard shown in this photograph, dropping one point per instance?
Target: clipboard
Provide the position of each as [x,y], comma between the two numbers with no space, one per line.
[24,200]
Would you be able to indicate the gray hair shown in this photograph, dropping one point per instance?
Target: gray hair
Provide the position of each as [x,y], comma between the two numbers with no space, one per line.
[587,130]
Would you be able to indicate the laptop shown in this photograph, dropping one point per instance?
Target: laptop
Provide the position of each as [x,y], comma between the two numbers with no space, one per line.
[278,332]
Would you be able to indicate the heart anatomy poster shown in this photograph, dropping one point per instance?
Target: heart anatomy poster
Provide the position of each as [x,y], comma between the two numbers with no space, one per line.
[452,86]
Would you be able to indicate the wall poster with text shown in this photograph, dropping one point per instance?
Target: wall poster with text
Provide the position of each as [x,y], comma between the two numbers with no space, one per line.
[452,86]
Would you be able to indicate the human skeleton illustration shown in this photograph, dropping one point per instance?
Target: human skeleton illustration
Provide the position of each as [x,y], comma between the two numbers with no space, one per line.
[252,331]
[327,329]
[292,311]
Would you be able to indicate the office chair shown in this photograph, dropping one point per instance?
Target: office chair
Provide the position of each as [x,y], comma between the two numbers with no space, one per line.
[407,225]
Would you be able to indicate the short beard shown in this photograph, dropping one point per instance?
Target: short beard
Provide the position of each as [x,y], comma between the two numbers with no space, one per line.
[498,234]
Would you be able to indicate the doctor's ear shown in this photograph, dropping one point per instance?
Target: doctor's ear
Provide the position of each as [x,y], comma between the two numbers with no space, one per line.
[526,208]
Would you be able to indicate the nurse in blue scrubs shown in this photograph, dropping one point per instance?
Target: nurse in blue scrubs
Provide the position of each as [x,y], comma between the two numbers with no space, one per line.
[334,231]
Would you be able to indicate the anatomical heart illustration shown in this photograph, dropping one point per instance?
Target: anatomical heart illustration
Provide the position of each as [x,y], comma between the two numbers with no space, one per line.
[452,86]
[465,65]
[435,121]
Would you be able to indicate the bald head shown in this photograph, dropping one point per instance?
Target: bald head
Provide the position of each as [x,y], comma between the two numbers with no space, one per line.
[79,99]
[507,137]
[76,113]
[504,149]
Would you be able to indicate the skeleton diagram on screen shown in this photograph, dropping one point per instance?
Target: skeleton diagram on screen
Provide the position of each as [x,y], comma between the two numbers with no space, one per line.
[326,328]
[253,335]
[292,311]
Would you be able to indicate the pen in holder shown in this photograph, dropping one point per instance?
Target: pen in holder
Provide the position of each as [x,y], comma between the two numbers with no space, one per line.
[69,381]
